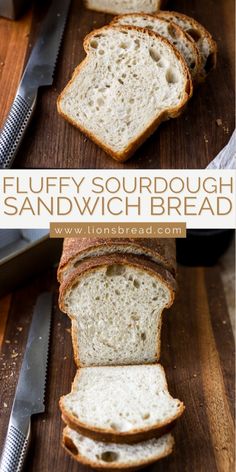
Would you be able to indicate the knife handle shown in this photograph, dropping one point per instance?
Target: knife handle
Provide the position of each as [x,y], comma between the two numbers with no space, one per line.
[15,449]
[14,129]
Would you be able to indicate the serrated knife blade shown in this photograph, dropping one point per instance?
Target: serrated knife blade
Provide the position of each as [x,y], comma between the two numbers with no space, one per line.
[38,72]
[29,396]
[42,61]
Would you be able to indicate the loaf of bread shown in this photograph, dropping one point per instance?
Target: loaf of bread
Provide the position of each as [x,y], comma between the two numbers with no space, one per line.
[131,80]
[117,7]
[108,456]
[181,40]
[119,413]
[75,250]
[203,39]
[121,404]
[115,303]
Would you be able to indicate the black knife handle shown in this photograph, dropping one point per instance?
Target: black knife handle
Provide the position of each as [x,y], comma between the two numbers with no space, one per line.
[14,129]
[15,450]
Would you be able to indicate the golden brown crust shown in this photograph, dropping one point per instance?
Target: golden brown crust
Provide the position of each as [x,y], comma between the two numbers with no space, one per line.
[77,249]
[70,447]
[156,432]
[113,436]
[75,344]
[90,265]
[179,32]
[161,3]
[203,32]
[165,115]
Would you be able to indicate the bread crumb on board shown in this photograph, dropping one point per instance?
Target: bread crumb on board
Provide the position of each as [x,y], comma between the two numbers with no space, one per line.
[219,122]
[15,354]
[225,128]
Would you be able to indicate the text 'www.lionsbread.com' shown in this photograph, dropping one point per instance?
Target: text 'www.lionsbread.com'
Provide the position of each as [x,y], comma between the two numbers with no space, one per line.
[118,230]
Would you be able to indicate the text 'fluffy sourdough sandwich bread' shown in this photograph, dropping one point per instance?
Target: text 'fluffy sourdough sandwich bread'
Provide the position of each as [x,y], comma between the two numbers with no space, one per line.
[123,404]
[75,250]
[109,456]
[115,303]
[183,42]
[203,39]
[131,81]
[117,7]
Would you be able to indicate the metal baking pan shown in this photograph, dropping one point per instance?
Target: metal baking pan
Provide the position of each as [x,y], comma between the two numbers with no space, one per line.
[12,9]
[25,254]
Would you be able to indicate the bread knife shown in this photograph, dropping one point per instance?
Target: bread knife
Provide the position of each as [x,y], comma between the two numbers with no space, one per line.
[29,396]
[38,73]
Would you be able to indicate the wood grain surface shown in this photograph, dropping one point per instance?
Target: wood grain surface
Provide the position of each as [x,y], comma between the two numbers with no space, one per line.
[197,353]
[191,141]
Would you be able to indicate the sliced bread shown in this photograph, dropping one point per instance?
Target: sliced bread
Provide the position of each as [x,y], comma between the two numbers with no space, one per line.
[115,303]
[117,7]
[131,80]
[75,250]
[183,42]
[203,39]
[123,404]
[115,457]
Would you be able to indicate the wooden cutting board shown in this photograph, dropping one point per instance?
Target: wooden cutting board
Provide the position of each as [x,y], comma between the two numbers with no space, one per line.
[197,353]
[191,141]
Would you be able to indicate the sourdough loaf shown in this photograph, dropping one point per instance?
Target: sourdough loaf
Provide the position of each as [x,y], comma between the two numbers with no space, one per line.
[176,35]
[121,404]
[131,80]
[76,250]
[115,303]
[115,457]
[124,6]
[203,39]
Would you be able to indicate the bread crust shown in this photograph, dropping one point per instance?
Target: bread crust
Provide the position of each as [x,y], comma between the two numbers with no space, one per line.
[68,445]
[180,32]
[77,249]
[133,145]
[160,4]
[203,32]
[91,265]
[135,438]
[109,435]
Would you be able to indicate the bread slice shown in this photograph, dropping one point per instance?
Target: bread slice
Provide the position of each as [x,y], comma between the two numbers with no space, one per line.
[183,42]
[117,7]
[203,39]
[123,404]
[76,250]
[115,303]
[131,80]
[115,457]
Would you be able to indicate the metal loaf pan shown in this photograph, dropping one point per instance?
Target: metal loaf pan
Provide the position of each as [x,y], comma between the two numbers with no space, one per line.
[25,254]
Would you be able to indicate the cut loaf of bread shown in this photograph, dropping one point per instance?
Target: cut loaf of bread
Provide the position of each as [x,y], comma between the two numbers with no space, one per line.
[203,39]
[115,303]
[115,457]
[123,404]
[117,7]
[183,42]
[131,80]
[76,250]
